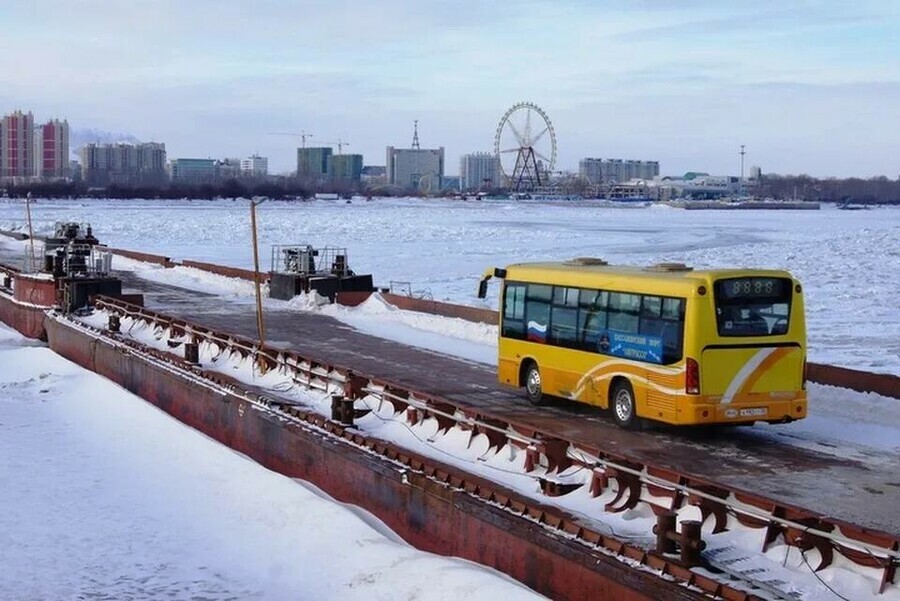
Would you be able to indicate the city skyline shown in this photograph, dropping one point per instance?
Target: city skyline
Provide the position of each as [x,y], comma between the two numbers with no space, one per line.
[808,89]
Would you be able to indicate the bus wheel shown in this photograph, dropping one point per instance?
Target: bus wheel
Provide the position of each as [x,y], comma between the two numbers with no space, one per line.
[623,405]
[533,384]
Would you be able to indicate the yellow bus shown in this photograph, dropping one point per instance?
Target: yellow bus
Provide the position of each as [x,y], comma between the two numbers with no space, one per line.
[664,343]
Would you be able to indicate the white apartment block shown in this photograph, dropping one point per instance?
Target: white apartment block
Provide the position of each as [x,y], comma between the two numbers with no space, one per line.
[610,171]
[479,171]
[104,164]
[415,168]
[255,166]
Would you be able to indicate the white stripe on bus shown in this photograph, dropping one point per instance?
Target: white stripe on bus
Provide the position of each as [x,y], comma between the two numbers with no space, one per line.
[745,372]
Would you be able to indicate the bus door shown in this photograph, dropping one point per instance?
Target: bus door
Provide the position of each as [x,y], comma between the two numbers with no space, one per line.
[661,337]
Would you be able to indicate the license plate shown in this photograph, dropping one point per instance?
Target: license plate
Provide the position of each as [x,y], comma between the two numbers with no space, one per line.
[754,412]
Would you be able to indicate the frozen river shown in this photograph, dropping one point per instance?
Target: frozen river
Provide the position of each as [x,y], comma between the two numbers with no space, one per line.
[849,261]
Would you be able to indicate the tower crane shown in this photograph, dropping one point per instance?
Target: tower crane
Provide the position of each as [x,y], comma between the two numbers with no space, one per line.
[302,135]
[340,145]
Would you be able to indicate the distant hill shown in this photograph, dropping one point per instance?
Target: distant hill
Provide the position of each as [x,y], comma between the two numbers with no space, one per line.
[80,137]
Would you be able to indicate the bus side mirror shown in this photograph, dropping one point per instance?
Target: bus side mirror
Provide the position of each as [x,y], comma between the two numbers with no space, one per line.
[482,288]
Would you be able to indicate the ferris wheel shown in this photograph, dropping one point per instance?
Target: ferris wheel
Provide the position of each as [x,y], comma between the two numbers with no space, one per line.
[525,144]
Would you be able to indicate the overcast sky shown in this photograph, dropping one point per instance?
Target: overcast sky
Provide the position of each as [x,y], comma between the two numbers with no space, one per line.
[808,87]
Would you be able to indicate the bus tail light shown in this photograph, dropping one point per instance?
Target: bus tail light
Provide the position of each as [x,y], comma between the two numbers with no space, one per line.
[692,376]
[803,383]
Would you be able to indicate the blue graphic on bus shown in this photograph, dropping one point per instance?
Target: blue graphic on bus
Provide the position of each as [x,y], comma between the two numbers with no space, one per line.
[639,347]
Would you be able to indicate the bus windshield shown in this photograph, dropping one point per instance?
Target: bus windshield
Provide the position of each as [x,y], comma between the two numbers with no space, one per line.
[753,306]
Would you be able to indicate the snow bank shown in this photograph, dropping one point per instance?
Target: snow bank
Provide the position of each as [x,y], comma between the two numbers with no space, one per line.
[104,496]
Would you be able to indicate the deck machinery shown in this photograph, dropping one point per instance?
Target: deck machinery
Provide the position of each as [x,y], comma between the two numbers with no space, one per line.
[301,268]
[80,268]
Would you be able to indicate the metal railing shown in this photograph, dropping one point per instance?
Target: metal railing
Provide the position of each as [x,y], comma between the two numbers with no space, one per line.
[303,259]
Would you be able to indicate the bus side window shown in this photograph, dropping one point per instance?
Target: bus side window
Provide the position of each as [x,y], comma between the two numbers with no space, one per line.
[537,312]
[651,307]
[673,335]
[673,308]
[624,311]
[564,316]
[592,318]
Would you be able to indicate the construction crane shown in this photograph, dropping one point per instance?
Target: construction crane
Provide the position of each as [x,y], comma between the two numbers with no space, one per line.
[302,135]
[340,145]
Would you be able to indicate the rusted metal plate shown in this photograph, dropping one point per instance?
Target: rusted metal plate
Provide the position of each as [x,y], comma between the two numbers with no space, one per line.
[26,319]
[854,379]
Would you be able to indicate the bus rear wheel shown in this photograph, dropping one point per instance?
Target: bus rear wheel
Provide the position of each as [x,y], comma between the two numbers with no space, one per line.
[623,410]
[533,390]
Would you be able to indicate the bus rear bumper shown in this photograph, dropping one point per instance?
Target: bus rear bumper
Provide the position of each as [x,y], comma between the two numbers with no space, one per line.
[773,411]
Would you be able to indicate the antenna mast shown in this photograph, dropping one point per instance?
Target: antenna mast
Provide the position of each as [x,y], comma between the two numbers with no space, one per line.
[742,169]
[415,143]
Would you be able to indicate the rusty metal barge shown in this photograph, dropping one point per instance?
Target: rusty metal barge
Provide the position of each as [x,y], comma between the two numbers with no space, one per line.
[800,498]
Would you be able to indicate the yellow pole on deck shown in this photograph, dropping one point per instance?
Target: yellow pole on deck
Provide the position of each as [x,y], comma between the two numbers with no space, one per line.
[30,231]
[260,324]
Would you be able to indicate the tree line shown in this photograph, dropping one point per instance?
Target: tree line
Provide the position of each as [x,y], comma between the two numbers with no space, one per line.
[875,190]
[278,188]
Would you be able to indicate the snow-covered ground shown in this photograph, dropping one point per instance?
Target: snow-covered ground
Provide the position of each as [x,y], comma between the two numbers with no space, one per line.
[849,261]
[102,496]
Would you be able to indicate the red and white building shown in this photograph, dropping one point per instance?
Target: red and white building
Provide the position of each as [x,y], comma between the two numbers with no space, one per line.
[52,148]
[27,151]
[17,145]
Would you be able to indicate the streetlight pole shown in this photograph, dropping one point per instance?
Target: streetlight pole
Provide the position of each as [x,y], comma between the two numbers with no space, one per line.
[260,324]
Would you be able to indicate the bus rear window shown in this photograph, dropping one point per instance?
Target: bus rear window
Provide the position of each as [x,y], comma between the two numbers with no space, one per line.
[753,306]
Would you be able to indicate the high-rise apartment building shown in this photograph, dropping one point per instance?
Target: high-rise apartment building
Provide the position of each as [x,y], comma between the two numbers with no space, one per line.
[611,171]
[415,168]
[129,164]
[52,149]
[314,163]
[255,166]
[479,171]
[17,145]
[346,167]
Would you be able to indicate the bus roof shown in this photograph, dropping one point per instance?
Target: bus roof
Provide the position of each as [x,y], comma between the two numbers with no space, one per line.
[675,279]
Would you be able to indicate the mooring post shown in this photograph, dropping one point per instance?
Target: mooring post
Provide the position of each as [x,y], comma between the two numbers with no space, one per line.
[688,542]
[192,352]
[336,406]
[348,412]
[691,545]
[665,533]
